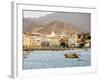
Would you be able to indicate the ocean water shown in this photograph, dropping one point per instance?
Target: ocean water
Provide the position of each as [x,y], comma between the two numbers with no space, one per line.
[56,59]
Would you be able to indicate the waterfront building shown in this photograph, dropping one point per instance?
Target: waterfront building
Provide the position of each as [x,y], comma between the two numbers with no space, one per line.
[26,40]
[72,41]
[36,39]
[53,39]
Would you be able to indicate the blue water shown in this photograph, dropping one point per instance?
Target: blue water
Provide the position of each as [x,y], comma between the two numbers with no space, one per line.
[56,59]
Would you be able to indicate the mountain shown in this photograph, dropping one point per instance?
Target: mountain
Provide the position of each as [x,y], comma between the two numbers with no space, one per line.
[80,21]
[77,21]
[57,27]
[30,24]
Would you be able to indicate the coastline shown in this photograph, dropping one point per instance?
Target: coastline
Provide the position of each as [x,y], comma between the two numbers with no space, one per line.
[54,49]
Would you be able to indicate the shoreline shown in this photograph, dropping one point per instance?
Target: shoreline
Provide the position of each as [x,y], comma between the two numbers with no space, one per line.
[54,49]
[29,52]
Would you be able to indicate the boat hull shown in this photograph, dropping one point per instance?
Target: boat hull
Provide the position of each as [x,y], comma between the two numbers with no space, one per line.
[71,56]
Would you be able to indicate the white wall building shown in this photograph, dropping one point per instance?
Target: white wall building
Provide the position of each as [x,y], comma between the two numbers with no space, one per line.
[53,39]
[72,41]
[36,39]
[26,41]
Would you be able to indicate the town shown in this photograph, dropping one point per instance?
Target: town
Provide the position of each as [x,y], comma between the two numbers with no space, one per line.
[35,40]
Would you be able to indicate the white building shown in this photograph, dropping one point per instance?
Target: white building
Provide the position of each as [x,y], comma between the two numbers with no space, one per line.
[53,39]
[72,41]
[36,39]
[26,41]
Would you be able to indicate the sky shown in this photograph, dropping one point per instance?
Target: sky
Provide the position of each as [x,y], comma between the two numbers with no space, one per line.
[35,14]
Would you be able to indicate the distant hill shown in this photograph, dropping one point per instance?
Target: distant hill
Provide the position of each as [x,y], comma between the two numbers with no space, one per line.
[30,24]
[57,23]
[57,27]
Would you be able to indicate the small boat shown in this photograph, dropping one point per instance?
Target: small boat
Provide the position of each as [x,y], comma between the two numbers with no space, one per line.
[80,60]
[71,55]
[86,50]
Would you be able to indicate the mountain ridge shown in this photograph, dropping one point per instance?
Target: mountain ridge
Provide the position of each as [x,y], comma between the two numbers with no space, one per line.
[79,21]
[56,26]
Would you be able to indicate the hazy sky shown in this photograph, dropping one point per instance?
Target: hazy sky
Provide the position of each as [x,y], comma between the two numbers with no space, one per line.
[35,14]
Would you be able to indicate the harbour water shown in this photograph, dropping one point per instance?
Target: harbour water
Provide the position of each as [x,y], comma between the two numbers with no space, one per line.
[56,59]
